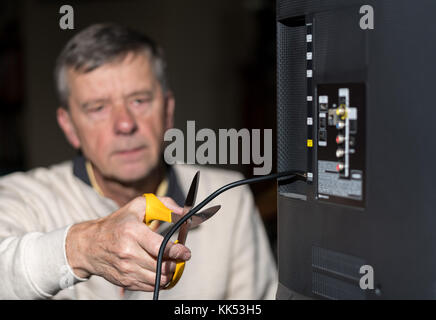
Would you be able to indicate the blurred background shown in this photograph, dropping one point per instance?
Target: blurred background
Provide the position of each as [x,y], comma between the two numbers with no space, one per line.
[221,65]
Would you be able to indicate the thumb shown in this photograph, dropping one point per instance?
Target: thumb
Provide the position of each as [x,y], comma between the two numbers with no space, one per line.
[171,204]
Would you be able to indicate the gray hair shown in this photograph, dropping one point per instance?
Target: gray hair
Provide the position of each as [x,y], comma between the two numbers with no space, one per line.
[100,44]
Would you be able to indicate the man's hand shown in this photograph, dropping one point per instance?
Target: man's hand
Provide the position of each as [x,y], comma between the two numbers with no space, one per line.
[122,249]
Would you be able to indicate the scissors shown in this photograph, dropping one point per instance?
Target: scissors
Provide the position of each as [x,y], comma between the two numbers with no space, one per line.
[156,210]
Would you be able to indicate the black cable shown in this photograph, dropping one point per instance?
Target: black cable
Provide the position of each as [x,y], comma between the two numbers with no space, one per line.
[286,174]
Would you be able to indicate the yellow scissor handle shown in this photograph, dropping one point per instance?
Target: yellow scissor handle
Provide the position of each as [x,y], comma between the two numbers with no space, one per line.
[156,210]
[180,266]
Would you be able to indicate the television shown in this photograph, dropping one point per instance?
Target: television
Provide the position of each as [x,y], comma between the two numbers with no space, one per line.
[356,105]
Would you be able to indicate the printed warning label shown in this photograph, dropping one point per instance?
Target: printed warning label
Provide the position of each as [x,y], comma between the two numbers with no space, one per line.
[330,182]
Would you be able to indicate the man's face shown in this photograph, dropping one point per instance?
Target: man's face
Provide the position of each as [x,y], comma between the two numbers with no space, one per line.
[118,116]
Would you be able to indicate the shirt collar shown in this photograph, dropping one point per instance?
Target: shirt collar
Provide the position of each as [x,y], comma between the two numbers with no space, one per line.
[173,188]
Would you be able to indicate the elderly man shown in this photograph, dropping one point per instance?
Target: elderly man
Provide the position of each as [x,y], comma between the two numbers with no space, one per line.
[75,230]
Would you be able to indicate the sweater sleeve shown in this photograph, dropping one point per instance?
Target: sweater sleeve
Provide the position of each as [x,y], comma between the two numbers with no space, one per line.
[33,264]
[253,270]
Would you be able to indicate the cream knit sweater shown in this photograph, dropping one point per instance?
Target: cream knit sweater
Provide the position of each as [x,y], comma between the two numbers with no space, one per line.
[231,257]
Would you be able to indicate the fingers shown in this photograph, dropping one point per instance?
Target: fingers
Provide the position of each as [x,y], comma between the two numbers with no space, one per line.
[177,251]
[151,242]
[142,279]
[147,261]
[139,204]
[123,250]
[137,270]
[137,247]
[171,204]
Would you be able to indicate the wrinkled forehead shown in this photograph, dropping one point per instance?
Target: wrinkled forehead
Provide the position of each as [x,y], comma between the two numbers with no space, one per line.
[120,77]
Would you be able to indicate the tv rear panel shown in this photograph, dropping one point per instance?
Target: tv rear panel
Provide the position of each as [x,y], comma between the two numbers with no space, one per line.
[356,110]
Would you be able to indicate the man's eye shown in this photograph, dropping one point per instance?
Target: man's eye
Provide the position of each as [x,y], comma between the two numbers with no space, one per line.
[138,102]
[96,108]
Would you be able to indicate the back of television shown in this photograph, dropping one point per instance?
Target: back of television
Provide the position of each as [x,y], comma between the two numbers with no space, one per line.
[355,111]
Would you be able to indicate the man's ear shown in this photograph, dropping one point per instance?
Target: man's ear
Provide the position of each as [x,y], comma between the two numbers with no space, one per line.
[66,124]
[170,105]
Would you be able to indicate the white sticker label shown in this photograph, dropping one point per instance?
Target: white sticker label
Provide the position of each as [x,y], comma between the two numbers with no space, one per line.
[323,99]
[309,98]
[309,56]
[352,113]
[309,73]
[343,92]
[309,121]
[356,176]
[309,38]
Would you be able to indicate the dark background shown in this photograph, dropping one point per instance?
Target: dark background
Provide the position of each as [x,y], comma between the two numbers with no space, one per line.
[221,65]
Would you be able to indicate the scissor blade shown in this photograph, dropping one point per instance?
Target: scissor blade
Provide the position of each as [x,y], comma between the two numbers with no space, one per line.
[197,218]
[189,203]
[192,193]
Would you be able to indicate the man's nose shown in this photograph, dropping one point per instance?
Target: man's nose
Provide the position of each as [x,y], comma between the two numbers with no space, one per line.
[125,122]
